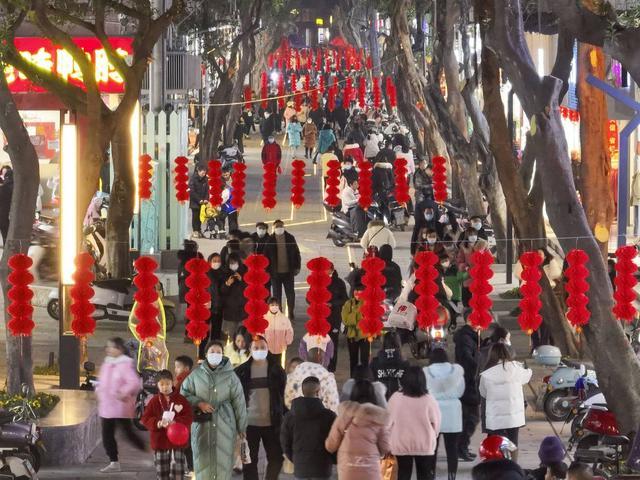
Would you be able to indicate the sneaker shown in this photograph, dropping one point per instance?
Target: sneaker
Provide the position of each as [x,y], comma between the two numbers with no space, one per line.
[112,467]
[466,456]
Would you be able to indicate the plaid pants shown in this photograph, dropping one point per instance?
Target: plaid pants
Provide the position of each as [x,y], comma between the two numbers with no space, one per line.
[170,464]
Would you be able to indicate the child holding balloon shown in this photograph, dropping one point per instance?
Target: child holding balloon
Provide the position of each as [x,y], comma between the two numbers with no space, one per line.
[168,418]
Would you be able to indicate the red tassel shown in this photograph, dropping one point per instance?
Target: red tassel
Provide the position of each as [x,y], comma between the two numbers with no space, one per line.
[577,286]
[20,295]
[145,171]
[256,294]
[198,299]
[215,182]
[624,294]
[365,184]
[439,179]
[307,83]
[247,97]
[362,92]
[297,183]
[146,296]
[401,181]
[181,179]
[377,93]
[281,99]
[264,90]
[237,185]
[426,288]
[318,296]
[372,297]
[333,181]
[480,288]
[294,83]
[391,93]
[530,305]
[269,182]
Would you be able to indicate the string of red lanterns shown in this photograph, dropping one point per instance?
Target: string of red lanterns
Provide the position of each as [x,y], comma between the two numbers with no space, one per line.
[625,282]
[181,179]
[401,181]
[146,297]
[215,182]
[297,183]
[256,294]
[269,182]
[20,294]
[238,178]
[83,323]
[439,179]
[480,288]
[318,296]
[144,177]
[577,286]
[372,297]
[426,288]
[365,184]
[198,299]
[332,190]
[530,304]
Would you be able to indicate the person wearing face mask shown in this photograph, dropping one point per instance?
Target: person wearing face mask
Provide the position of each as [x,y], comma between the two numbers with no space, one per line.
[268,126]
[279,333]
[426,216]
[294,134]
[477,224]
[260,237]
[284,264]
[216,396]
[349,173]
[310,135]
[271,152]
[232,293]
[263,382]
[216,277]
[198,196]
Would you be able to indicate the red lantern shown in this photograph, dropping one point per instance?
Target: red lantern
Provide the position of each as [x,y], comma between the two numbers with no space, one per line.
[181,179]
[281,99]
[439,179]
[178,434]
[369,63]
[294,83]
[215,182]
[297,59]
[307,83]
[377,93]
[247,97]
[83,323]
[347,93]
[237,185]
[365,184]
[530,305]
[577,286]
[318,59]
[372,297]
[256,294]
[144,177]
[146,297]
[328,61]
[333,181]
[331,98]
[426,288]
[401,181]
[297,183]
[198,299]
[391,93]
[314,99]
[480,288]
[20,295]
[318,296]
[358,62]
[269,182]
[264,90]
[287,56]
[624,294]
[362,91]
[321,84]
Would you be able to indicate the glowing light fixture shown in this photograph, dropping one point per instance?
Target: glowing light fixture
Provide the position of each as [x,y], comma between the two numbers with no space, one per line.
[134,128]
[320,21]
[68,202]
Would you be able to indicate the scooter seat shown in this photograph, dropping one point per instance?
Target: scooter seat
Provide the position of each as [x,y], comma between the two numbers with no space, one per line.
[577,363]
[615,440]
[5,417]
[121,285]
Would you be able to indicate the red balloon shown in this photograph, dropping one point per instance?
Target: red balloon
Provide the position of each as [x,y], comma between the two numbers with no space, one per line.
[178,434]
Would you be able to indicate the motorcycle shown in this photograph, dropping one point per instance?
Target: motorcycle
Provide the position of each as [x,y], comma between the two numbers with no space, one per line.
[230,155]
[340,231]
[95,240]
[394,214]
[149,389]
[44,249]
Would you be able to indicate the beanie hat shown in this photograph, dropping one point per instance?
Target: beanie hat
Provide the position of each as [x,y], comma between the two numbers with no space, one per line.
[551,450]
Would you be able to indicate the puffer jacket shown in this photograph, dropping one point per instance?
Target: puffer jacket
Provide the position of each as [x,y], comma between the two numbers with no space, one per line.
[502,387]
[119,384]
[445,381]
[415,424]
[213,442]
[360,435]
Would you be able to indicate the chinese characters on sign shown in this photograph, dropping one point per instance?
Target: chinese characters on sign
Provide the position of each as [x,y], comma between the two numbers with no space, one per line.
[54,59]
[612,136]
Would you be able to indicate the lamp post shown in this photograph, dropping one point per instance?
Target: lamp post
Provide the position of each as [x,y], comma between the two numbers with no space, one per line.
[134,129]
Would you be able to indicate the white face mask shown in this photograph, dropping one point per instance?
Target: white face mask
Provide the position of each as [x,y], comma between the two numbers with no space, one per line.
[309,121]
[279,231]
[215,265]
[271,140]
[347,166]
[274,310]
[267,114]
[445,264]
[428,216]
[431,240]
[234,267]
[214,359]
[476,225]
[473,238]
[261,232]
[260,354]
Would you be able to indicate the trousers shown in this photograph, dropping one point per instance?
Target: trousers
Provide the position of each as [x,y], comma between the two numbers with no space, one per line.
[270,438]
[280,281]
[358,353]
[424,467]
[109,436]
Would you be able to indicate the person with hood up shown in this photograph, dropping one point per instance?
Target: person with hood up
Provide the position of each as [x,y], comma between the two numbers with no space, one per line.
[216,396]
[372,145]
[294,133]
[198,196]
[312,367]
[391,272]
[388,366]
[326,138]
[271,152]
[360,435]
[363,372]
[377,235]
[551,454]
[310,135]
[338,290]
[309,342]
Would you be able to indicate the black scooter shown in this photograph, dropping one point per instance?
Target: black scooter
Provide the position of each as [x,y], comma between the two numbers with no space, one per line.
[340,231]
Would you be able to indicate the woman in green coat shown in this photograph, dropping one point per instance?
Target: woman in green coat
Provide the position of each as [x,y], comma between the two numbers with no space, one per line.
[214,388]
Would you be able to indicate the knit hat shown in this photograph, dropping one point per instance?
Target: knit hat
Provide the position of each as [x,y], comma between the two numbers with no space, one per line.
[551,450]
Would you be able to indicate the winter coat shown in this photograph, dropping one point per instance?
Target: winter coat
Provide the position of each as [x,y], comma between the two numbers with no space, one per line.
[382,178]
[259,243]
[216,278]
[445,381]
[304,430]
[415,424]
[293,253]
[376,235]
[360,435]
[294,134]
[233,300]
[214,442]
[271,153]
[388,368]
[328,386]
[351,317]
[354,151]
[236,357]
[339,296]
[279,333]
[393,283]
[371,145]
[118,387]
[326,138]
[378,387]
[198,190]
[466,340]
[315,341]
[386,155]
[153,414]
[310,134]
[268,126]
[356,135]
[501,385]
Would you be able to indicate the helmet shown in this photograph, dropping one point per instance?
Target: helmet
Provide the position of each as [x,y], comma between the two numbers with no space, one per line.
[495,447]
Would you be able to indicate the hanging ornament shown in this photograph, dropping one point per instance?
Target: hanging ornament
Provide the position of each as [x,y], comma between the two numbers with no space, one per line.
[20,294]
[238,178]
[377,93]
[347,93]
[365,184]
[264,90]
[577,287]
[214,175]
[289,60]
[83,323]
[297,59]
[372,297]
[439,179]
[357,63]
[297,183]
[294,83]
[256,294]
[321,84]
[391,92]
[307,83]
[331,98]
[333,181]
[281,99]
[625,282]
[401,180]
[369,63]
[480,288]
[426,287]
[318,59]
[327,62]
[530,304]
[146,297]
[181,179]
[362,91]
[269,182]
[318,296]
[247,97]
[198,299]
[314,99]
[145,172]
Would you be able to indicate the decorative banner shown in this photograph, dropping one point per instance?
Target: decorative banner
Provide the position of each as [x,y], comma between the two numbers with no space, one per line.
[625,294]
[577,286]
[530,304]
[297,183]
[333,181]
[401,181]
[145,172]
[146,297]
[318,296]
[269,182]
[365,184]
[20,295]
[256,294]
[372,297]
[480,288]
[439,179]
[181,179]
[426,275]
[264,90]
[238,178]
[83,323]
[215,182]
[198,298]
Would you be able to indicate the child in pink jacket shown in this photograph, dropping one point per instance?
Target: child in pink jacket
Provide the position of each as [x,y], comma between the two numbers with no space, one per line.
[279,333]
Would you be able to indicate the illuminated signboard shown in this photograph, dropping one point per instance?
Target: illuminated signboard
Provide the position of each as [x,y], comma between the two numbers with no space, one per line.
[52,58]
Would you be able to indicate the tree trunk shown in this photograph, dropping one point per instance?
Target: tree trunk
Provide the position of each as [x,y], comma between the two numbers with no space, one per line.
[344,25]
[26,180]
[595,192]
[373,40]
[248,53]
[215,119]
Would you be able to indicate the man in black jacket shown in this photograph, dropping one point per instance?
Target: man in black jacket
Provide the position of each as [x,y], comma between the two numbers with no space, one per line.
[284,264]
[339,296]
[263,381]
[198,196]
[304,429]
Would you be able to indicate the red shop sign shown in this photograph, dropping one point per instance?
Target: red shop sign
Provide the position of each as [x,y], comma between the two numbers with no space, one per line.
[52,58]
[612,137]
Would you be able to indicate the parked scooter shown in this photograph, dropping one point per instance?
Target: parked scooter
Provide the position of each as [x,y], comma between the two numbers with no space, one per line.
[230,155]
[95,240]
[44,249]
[90,380]
[340,231]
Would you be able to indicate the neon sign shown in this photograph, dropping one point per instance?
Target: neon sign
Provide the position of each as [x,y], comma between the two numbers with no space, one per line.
[54,59]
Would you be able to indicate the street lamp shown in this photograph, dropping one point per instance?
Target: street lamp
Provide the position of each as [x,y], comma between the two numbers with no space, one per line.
[134,128]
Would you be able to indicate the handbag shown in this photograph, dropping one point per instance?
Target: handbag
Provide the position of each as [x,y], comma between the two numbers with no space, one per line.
[389,467]
[403,315]
[202,417]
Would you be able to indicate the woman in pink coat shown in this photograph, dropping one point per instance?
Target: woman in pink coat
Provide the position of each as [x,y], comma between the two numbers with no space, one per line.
[360,435]
[118,386]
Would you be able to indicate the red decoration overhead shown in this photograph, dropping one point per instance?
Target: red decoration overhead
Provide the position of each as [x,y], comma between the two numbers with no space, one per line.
[333,181]
[181,179]
[369,63]
[391,93]
[281,99]
[145,172]
[146,297]
[20,295]
[319,59]
[294,83]
[530,304]
[269,183]
[401,181]
[215,182]
[83,323]
[318,296]
[577,286]
[347,93]
[439,179]
[321,84]
[331,98]
[314,99]
[365,184]
[297,183]
[256,294]
[264,90]
[480,288]
[198,299]
[297,59]
[362,91]
[238,178]
[624,294]
[247,97]
[307,83]
[372,297]
[426,288]
[377,93]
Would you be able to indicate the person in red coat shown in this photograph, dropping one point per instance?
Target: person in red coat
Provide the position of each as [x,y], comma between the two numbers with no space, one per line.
[271,152]
[165,408]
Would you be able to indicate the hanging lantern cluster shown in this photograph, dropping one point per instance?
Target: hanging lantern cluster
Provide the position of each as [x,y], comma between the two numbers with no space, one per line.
[318,296]
[392,95]
[264,90]
[365,184]
[372,297]
[426,288]
[362,92]
[83,323]
[269,183]
[577,286]
[333,181]
[238,179]
[20,294]
[314,99]
[181,179]
[569,114]
[401,181]
[146,297]
[439,179]
[377,93]
[256,294]
[480,288]
[198,299]
[297,183]
[214,175]
[247,97]
[331,98]
[281,99]
[347,92]
[145,172]
[530,304]
[625,282]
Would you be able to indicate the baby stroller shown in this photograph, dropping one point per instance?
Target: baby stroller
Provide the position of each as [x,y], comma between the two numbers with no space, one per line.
[209,216]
